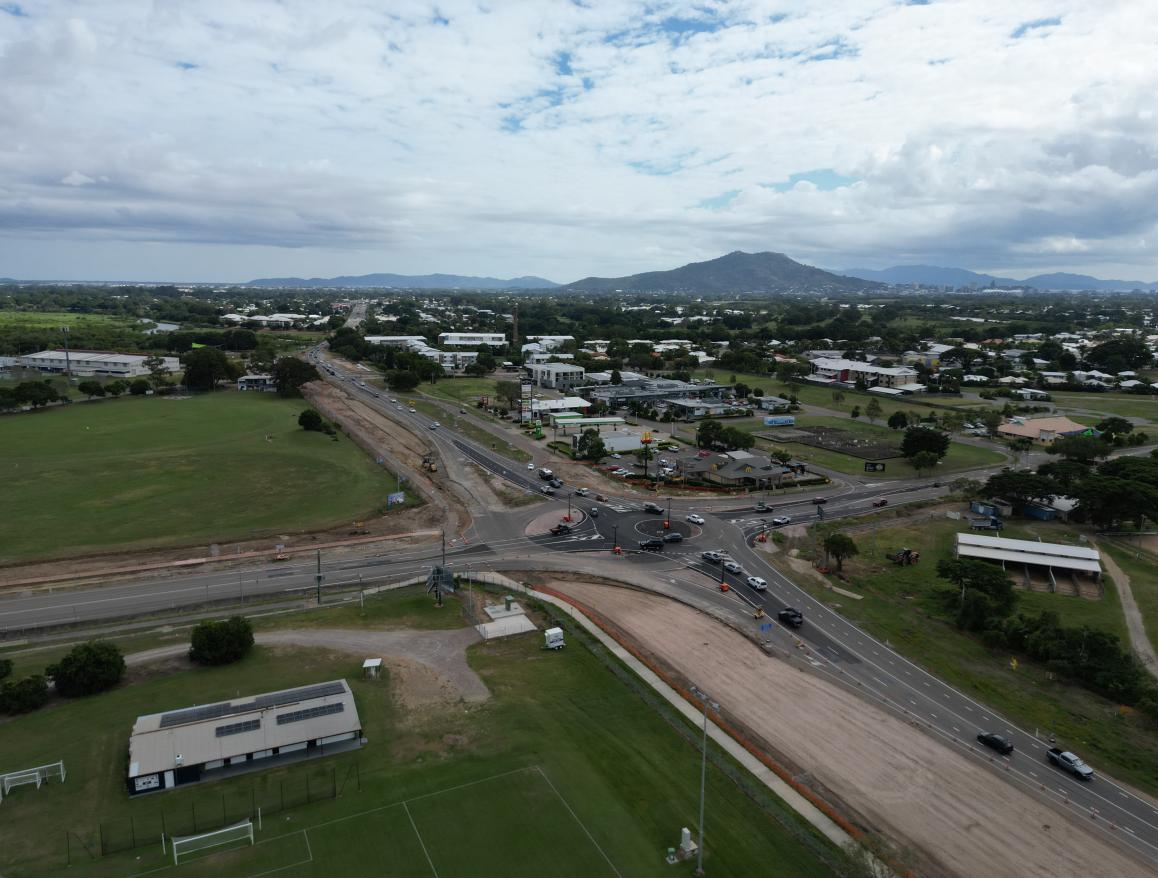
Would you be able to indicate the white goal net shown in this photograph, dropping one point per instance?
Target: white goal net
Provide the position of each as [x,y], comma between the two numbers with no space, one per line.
[190,844]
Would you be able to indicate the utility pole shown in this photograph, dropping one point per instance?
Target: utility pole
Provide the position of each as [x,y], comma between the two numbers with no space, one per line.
[444,548]
[318,575]
[703,776]
[614,537]
[667,518]
[67,357]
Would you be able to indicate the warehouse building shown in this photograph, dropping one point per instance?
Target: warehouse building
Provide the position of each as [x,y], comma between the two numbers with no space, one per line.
[179,747]
[1056,566]
[95,363]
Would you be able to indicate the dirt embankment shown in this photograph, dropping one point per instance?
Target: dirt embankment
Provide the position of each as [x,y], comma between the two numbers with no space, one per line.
[958,817]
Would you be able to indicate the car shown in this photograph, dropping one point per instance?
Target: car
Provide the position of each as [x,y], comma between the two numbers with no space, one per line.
[781,520]
[617,457]
[791,617]
[600,498]
[652,545]
[762,507]
[733,567]
[546,475]
[561,529]
[757,583]
[674,537]
[547,489]
[435,425]
[696,519]
[879,503]
[398,406]
[653,508]
[582,492]
[995,742]
[413,410]
[713,555]
[392,399]
[556,483]
[819,501]
[702,454]
[530,465]
[594,511]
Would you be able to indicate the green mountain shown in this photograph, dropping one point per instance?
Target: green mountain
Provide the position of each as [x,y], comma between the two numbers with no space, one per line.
[735,273]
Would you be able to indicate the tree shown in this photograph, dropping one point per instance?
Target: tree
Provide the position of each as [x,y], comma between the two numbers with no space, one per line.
[898,420]
[922,438]
[401,380]
[1106,500]
[311,420]
[982,592]
[476,369]
[709,433]
[616,378]
[139,387]
[873,410]
[923,461]
[855,413]
[116,388]
[35,393]
[735,438]
[91,388]
[1066,474]
[221,643]
[87,669]
[1020,488]
[158,371]
[839,546]
[510,391]
[204,367]
[741,390]
[591,447]
[290,374]
[1083,448]
[5,668]
[1119,354]
[1113,427]
[21,696]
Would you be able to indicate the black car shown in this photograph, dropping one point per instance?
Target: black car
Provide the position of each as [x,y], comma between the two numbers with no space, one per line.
[673,537]
[561,529]
[652,545]
[819,501]
[792,617]
[653,508]
[555,483]
[995,742]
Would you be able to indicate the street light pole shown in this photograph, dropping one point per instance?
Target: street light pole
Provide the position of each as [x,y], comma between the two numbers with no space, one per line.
[667,518]
[614,537]
[703,776]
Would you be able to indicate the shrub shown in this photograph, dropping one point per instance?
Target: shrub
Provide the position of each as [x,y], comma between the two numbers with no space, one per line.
[21,696]
[5,668]
[221,643]
[87,669]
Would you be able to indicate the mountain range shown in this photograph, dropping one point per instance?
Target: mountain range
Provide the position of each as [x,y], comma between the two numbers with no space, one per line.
[936,276]
[737,272]
[407,281]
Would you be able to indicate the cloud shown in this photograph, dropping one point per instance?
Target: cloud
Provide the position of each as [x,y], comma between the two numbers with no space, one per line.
[574,139]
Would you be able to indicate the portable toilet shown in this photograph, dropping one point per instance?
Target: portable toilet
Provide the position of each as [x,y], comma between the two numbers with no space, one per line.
[554,638]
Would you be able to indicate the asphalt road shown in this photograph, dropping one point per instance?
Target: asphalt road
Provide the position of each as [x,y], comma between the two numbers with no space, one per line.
[837,648]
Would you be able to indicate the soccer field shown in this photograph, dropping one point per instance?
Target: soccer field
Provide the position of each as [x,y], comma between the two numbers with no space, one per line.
[513,824]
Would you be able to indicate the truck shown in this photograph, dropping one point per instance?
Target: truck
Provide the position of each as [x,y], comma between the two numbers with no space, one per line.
[546,475]
[553,638]
[1069,762]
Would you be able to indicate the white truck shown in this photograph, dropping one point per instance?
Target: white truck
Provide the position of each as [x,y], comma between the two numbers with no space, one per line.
[553,638]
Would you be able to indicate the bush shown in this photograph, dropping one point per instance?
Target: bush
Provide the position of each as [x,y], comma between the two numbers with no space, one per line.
[21,696]
[87,669]
[5,668]
[221,643]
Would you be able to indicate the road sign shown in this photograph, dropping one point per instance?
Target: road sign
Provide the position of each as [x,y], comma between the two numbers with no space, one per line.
[870,467]
[766,626]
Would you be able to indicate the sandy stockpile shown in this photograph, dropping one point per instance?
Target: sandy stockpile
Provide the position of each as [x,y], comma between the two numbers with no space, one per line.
[902,781]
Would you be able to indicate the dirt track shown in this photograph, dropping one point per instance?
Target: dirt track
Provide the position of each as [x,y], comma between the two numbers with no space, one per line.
[911,787]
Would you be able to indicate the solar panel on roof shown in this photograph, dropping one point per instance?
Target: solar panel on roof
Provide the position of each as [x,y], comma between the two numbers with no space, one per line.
[297,716]
[261,702]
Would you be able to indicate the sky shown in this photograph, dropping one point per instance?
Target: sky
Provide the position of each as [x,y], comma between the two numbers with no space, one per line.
[221,141]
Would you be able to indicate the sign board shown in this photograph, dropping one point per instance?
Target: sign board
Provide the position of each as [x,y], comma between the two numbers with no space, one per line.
[148,782]
[399,497]
[779,421]
[525,401]
[646,438]
[766,626]
[871,467]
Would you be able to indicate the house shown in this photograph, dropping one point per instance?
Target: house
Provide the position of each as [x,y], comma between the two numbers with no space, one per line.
[1030,394]
[775,404]
[472,339]
[839,370]
[561,376]
[737,469]
[256,382]
[1044,430]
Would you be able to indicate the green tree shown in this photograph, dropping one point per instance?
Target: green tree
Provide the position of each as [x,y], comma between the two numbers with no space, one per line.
[709,433]
[401,380]
[923,461]
[735,438]
[510,391]
[898,420]
[139,387]
[91,388]
[1086,449]
[22,696]
[204,367]
[923,438]
[982,592]
[591,447]
[1020,488]
[87,669]
[616,378]
[855,413]
[311,420]
[158,371]
[290,374]
[873,410]
[838,398]
[116,388]
[221,643]
[1114,426]
[5,667]
[35,393]
[839,546]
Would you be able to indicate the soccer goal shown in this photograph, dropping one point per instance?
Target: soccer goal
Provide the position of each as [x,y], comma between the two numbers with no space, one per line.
[183,847]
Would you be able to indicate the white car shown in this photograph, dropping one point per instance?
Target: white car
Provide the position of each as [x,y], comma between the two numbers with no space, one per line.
[413,410]
[733,567]
[435,425]
[582,492]
[531,465]
[757,583]
[781,520]
[617,457]
[696,519]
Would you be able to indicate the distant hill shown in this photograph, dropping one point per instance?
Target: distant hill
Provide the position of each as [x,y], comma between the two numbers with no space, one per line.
[406,281]
[935,276]
[738,272]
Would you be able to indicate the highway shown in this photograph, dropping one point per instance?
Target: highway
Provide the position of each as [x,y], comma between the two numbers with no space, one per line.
[498,541]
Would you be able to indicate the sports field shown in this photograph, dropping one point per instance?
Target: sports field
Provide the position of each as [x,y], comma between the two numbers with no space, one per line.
[147,472]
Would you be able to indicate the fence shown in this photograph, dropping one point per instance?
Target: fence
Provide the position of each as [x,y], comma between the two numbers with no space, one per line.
[208,811]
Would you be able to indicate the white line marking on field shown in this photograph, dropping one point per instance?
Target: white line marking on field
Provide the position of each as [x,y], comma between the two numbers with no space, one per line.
[420,841]
[577,820]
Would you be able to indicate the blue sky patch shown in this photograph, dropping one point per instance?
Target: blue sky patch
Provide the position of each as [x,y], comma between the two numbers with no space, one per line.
[1026,26]
[825,179]
[187,65]
[833,49]
[13,9]
[719,202]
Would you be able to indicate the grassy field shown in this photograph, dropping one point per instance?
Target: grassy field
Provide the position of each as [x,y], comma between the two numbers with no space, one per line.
[1127,405]
[57,319]
[564,771]
[147,472]
[900,606]
[471,430]
[1142,568]
[462,390]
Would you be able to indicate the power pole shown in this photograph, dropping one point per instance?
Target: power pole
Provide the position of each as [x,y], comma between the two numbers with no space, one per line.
[444,548]
[67,357]
[318,576]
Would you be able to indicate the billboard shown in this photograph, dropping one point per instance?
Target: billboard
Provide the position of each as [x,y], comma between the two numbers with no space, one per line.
[525,401]
[779,421]
[399,497]
[874,467]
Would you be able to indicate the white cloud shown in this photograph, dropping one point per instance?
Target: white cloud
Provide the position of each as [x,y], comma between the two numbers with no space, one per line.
[238,139]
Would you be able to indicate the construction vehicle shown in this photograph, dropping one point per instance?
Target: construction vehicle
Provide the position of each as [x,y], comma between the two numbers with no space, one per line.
[428,463]
[905,557]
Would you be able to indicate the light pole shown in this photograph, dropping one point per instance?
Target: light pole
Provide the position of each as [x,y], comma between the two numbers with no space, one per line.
[703,775]
[615,539]
[667,518]
[568,507]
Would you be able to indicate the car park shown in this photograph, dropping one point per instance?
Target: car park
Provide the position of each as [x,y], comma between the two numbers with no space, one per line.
[791,617]
[673,537]
[696,519]
[995,742]
[733,567]
[652,545]
[757,583]
[781,520]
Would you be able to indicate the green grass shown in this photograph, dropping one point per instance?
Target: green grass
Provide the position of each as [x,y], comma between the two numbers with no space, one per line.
[57,319]
[1142,568]
[1127,405]
[462,390]
[627,778]
[464,425]
[900,605]
[138,473]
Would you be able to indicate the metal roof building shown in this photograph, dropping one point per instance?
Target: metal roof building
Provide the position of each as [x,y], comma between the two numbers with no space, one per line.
[1071,559]
[185,746]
